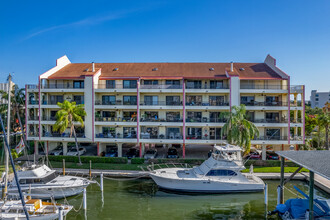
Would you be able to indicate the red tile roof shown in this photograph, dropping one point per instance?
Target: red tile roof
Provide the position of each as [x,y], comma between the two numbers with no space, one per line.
[167,70]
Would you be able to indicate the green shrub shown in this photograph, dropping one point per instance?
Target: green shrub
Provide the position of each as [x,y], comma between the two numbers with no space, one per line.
[269,163]
[137,160]
[180,160]
[86,159]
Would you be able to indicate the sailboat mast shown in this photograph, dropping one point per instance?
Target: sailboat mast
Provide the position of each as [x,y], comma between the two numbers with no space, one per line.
[8,137]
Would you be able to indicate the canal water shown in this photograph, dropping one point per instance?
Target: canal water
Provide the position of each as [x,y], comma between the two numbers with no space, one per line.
[141,199]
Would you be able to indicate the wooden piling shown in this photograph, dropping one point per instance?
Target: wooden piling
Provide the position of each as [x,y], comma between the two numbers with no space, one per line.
[90,169]
[63,167]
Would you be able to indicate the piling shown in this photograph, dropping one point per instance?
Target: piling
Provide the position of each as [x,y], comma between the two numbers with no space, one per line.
[101,182]
[60,213]
[63,167]
[85,199]
[29,192]
[266,194]
[90,169]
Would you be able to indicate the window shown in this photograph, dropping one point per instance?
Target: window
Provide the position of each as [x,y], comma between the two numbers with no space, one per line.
[108,114]
[172,116]
[317,95]
[196,84]
[151,100]
[53,115]
[79,99]
[316,99]
[272,100]
[172,100]
[78,84]
[194,100]
[215,133]
[217,117]
[221,173]
[150,82]
[129,116]
[216,84]
[194,133]
[173,84]
[110,84]
[247,100]
[250,116]
[129,132]
[217,100]
[129,84]
[54,99]
[194,116]
[109,132]
[272,117]
[108,100]
[273,134]
[174,133]
[130,100]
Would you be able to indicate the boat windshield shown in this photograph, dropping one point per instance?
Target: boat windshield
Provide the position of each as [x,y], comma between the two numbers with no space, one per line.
[39,180]
[224,155]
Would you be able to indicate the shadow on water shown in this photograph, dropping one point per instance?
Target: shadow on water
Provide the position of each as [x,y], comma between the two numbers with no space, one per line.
[141,199]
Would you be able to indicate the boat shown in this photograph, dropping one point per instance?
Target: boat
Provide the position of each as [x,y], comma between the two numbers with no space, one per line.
[39,181]
[37,209]
[220,173]
[299,208]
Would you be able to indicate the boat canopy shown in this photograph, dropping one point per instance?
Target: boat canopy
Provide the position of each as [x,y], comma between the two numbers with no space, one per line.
[35,172]
[228,148]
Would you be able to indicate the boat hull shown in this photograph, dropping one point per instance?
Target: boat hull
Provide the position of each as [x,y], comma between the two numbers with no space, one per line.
[205,185]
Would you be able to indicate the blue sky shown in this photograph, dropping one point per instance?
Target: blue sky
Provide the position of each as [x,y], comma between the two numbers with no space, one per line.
[296,32]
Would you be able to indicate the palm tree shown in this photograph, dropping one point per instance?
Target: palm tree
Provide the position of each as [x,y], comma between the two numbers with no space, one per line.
[68,114]
[238,129]
[323,121]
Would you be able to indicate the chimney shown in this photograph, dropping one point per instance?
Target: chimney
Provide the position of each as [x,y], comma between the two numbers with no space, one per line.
[93,66]
[231,66]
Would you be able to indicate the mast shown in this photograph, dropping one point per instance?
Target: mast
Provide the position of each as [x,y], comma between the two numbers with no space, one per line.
[4,192]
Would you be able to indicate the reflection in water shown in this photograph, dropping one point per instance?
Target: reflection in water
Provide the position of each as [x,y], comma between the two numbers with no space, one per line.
[141,199]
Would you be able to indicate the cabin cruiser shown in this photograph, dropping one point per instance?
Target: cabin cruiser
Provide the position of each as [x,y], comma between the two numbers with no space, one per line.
[218,174]
[42,182]
[37,209]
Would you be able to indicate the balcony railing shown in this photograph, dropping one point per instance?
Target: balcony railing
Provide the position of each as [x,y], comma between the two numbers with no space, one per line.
[298,120]
[169,103]
[207,103]
[116,136]
[161,136]
[161,120]
[49,102]
[296,89]
[269,120]
[61,86]
[33,134]
[275,103]
[276,87]
[120,86]
[117,102]
[116,119]
[206,120]
[161,86]
[295,104]
[64,135]
[297,138]
[33,118]
[207,87]
[33,102]
[32,86]
[272,138]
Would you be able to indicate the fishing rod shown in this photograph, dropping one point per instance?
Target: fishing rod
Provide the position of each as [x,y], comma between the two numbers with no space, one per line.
[15,173]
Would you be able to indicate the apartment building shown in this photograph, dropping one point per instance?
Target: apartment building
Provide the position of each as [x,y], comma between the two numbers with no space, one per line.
[170,104]
[318,99]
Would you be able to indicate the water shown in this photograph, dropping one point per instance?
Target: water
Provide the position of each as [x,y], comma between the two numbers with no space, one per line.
[141,199]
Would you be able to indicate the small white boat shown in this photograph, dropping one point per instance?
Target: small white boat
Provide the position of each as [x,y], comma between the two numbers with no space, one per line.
[218,174]
[36,208]
[43,183]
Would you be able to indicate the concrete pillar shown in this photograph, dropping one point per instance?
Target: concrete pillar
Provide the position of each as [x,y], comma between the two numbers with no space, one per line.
[263,154]
[120,149]
[89,108]
[36,151]
[295,115]
[65,148]
[295,99]
[234,91]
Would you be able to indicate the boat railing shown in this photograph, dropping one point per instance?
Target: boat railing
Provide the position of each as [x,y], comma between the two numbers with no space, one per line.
[153,167]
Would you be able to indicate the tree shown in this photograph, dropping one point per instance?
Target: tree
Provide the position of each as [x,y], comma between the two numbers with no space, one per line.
[238,129]
[68,114]
[323,121]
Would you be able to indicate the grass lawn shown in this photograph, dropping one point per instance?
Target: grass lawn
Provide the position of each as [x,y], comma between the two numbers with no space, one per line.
[110,166]
[257,169]
[101,166]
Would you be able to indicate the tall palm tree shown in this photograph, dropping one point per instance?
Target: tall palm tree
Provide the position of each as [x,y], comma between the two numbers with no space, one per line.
[323,121]
[68,114]
[238,129]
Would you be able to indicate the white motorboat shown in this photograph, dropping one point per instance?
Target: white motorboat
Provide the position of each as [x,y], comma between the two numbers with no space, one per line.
[43,183]
[36,208]
[218,174]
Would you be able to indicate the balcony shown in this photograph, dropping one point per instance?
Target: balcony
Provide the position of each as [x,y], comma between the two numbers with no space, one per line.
[61,86]
[116,136]
[33,134]
[117,102]
[272,138]
[30,86]
[206,120]
[207,87]
[296,89]
[116,119]
[255,103]
[269,120]
[295,104]
[33,118]
[33,102]
[161,136]
[297,120]
[161,103]
[161,120]
[64,135]
[270,87]
[207,103]
[161,86]
[110,86]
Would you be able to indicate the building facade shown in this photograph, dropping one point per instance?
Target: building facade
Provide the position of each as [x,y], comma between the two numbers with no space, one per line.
[318,99]
[4,87]
[170,104]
